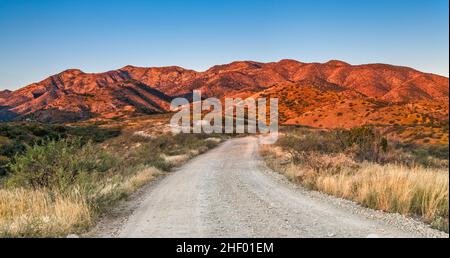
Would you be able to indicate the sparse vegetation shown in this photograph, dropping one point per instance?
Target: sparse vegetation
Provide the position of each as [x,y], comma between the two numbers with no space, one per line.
[394,188]
[15,137]
[59,185]
[361,165]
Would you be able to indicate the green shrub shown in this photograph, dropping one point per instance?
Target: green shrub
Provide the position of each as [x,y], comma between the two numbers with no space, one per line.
[77,161]
[368,144]
[58,164]
[363,142]
[149,154]
[428,155]
[16,136]
[73,180]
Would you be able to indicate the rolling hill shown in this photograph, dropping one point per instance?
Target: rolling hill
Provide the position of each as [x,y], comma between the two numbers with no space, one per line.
[327,95]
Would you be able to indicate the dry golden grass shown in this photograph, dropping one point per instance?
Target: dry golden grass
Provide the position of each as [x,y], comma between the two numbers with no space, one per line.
[123,186]
[42,213]
[61,187]
[394,188]
[67,196]
[412,191]
[175,160]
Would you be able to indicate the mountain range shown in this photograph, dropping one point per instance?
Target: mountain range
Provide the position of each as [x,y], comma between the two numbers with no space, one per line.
[331,94]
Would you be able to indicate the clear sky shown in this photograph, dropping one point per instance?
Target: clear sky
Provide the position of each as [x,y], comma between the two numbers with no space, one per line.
[39,38]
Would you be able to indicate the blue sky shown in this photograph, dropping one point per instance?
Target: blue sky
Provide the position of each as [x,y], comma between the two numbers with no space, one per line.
[39,38]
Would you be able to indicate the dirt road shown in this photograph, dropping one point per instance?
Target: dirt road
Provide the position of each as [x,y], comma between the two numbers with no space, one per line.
[228,192]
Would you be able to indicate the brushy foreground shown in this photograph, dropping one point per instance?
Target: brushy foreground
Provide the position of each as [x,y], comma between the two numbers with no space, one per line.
[26,212]
[393,188]
[61,187]
[390,179]
[44,213]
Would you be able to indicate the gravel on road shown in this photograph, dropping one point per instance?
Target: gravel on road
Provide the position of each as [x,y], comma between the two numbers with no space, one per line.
[229,192]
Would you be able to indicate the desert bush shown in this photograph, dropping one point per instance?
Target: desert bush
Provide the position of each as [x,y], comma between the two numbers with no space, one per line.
[409,190]
[367,143]
[58,164]
[435,151]
[433,156]
[363,143]
[4,161]
[59,187]
[16,137]
[309,143]
[31,133]
[149,154]
[361,165]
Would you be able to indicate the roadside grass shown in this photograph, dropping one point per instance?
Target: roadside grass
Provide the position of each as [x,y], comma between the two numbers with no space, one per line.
[41,213]
[393,188]
[392,178]
[61,187]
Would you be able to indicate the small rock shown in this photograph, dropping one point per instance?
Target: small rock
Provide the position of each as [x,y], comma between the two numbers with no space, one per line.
[73,236]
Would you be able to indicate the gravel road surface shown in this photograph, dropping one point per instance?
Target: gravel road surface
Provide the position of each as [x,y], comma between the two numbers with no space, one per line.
[228,192]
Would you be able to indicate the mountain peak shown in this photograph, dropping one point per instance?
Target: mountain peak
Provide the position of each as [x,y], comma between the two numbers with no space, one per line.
[291,61]
[128,67]
[337,63]
[110,93]
[4,93]
[70,72]
[73,70]
[234,66]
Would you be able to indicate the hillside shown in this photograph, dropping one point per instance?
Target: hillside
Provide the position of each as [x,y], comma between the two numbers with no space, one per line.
[331,94]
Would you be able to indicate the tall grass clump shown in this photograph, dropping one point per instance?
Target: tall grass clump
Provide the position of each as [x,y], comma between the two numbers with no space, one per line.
[361,165]
[394,188]
[40,213]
